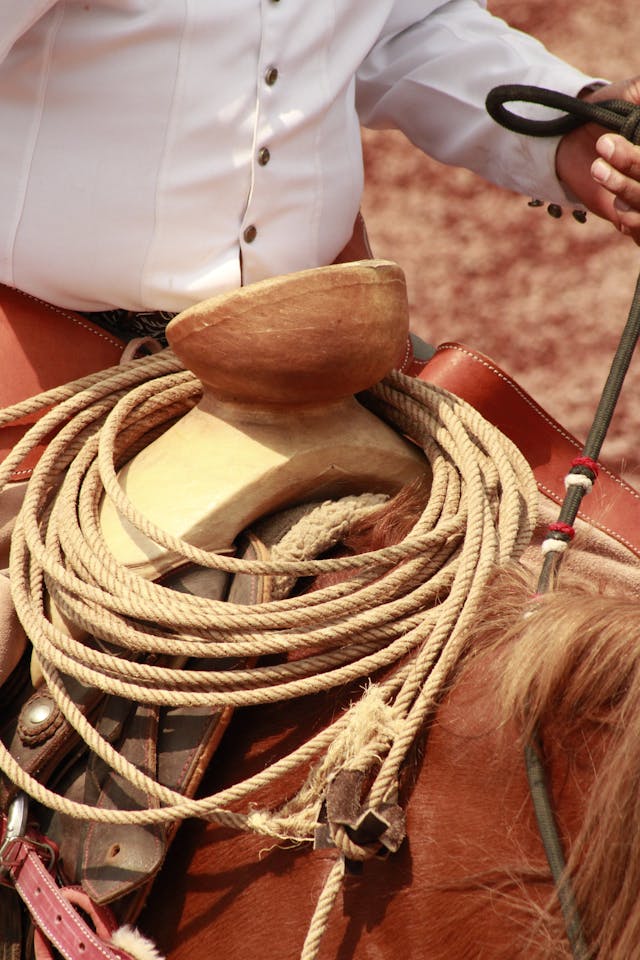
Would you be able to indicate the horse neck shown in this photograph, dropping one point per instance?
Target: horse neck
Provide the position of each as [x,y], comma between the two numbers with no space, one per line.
[572,675]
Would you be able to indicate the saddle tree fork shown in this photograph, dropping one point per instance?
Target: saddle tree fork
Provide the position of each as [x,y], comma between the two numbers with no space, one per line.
[277,424]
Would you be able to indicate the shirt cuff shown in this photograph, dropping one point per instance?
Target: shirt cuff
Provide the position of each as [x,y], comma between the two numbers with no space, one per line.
[541,151]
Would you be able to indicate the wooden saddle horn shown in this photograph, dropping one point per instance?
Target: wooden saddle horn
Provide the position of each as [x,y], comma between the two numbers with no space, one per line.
[277,424]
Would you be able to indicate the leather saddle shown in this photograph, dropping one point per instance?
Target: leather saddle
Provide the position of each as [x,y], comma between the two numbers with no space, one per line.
[48,346]
[116,865]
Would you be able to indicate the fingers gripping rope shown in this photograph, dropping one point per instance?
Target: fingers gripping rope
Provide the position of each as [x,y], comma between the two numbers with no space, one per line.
[624,118]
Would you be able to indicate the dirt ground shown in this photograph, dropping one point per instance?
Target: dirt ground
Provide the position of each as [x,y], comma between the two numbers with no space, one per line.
[546,299]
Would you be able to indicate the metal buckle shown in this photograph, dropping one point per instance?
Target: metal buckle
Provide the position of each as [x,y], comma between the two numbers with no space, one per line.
[15,828]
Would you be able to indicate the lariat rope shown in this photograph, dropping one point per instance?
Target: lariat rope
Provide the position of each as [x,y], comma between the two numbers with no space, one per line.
[622,117]
[408,606]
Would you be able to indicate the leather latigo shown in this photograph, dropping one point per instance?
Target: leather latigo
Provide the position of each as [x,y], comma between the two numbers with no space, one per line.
[116,863]
[48,347]
[113,863]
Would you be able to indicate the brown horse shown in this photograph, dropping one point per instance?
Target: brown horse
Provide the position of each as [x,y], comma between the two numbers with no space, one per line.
[471,880]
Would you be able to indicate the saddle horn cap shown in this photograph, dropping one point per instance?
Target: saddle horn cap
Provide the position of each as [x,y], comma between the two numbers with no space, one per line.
[306,338]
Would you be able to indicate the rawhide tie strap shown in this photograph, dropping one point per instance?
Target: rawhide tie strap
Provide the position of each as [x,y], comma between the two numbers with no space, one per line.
[621,117]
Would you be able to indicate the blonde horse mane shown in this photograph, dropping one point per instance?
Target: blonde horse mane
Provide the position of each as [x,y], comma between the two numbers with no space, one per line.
[571,670]
[570,663]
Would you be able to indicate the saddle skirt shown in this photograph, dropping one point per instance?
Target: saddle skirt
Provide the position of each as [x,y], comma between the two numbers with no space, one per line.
[48,346]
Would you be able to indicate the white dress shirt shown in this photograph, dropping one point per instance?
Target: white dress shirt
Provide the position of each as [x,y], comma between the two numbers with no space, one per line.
[157,152]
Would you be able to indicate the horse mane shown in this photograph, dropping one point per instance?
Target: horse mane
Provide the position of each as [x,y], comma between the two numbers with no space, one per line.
[391,522]
[571,672]
[570,663]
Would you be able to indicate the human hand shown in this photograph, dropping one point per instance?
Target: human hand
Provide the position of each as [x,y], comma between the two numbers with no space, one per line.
[602,168]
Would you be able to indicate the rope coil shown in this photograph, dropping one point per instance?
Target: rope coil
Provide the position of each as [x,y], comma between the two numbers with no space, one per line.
[479,513]
[407,607]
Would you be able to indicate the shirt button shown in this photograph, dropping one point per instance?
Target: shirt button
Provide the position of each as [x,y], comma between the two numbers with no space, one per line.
[264,156]
[271,76]
[250,234]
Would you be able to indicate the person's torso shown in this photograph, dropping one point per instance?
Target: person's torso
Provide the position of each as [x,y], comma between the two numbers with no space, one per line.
[155,153]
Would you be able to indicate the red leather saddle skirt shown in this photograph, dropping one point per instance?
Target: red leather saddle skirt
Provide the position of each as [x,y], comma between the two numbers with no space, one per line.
[43,346]
[613,506]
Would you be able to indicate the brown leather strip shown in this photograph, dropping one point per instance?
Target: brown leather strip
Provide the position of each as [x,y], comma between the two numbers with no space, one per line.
[358,246]
[53,913]
[613,506]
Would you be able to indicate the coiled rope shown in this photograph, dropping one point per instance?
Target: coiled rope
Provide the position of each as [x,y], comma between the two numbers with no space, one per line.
[408,605]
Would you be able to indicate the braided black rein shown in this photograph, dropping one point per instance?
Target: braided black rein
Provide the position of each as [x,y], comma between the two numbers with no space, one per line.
[621,116]
[624,118]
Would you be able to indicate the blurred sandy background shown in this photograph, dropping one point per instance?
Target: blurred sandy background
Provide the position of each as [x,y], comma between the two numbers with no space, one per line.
[546,299]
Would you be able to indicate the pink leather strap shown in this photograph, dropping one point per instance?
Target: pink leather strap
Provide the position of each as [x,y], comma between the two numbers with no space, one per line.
[51,910]
[101,917]
[612,506]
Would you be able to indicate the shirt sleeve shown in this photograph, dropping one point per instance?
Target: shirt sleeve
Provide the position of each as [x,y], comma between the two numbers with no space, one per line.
[430,78]
[16,17]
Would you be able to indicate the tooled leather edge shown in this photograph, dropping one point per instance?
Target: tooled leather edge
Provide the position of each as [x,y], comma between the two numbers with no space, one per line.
[71,315]
[613,507]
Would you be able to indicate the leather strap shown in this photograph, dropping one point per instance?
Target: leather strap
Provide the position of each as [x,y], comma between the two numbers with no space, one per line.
[102,921]
[40,745]
[613,506]
[47,346]
[51,910]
